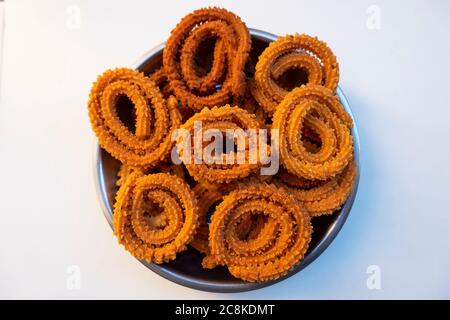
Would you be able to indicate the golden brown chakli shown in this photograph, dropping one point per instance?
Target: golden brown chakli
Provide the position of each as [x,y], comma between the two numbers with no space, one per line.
[156,118]
[293,52]
[197,88]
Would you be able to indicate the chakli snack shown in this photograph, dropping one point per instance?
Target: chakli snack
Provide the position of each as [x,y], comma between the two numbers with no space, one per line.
[278,245]
[171,196]
[146,233]
[210,195]
[322,112]
[156,118]
[293,52]
[221,119]
[198,88]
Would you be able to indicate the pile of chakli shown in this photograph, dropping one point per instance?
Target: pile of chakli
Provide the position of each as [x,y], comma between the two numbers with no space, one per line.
[259,226]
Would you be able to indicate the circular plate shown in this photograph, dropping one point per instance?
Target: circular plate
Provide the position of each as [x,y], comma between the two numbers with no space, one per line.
[186,269]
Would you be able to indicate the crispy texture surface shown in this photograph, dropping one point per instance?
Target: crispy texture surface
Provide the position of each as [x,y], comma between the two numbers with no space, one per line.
[221,119]
[278,244]
[195,87]
[156,118]
[316,108]
[144,231]
[293,52]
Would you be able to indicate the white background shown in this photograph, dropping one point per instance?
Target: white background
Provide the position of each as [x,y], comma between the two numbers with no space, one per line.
[396,79]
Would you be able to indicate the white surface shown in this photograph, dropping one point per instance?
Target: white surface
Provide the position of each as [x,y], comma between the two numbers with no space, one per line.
[396,79]
[2,26]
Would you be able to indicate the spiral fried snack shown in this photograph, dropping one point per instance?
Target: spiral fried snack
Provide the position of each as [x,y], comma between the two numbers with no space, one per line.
[156,118]
[146,233]
[321,197]
[209,195]
[275,247]
[316,108]
[221,119]
[293,52]
[195,87]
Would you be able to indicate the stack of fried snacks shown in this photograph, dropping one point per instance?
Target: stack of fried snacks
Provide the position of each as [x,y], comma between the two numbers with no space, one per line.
[258,226]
